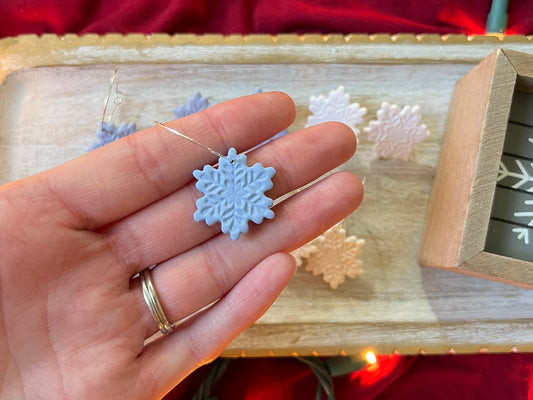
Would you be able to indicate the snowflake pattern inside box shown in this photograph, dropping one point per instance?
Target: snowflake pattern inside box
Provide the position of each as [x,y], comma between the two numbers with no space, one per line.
[234,194]
[335,107]
[523,174]
[396,132]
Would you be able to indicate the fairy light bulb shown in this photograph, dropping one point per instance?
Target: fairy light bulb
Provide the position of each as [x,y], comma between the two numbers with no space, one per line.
[370,357]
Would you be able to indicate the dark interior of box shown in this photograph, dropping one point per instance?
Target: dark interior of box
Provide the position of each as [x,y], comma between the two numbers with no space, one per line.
[510,230]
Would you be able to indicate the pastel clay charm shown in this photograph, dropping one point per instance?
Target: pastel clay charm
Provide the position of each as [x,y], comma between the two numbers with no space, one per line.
[108,132]
[234,194]
[335,107]
[194,104]
[336,256]
[304,252]
[396,132]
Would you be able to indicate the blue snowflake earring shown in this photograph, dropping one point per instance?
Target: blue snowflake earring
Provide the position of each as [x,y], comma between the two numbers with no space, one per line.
[107,132]
[234,193]
[195,103]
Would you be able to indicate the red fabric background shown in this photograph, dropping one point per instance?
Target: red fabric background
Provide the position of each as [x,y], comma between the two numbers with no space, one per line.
[247,16]
[482,376]
[503,376]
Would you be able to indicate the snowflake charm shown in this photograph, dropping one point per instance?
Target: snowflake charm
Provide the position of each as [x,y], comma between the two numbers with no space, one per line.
[108,132]
[396,132]
[304,252]
[194,104]
[335,107]
[234,194]
[336,256]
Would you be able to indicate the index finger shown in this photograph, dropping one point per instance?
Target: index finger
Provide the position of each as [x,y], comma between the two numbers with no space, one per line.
[110,183]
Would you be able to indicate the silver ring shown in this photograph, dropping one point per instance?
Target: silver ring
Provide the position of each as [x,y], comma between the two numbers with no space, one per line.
[152,301]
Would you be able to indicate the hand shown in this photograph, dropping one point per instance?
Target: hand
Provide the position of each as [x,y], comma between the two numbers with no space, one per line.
[74,323]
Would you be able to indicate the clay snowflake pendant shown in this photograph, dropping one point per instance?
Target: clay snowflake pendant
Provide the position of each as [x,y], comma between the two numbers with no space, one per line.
[195,103]
[336,107]
[304,252]
[108,132]
[396,132]
[336,256]
[234,194]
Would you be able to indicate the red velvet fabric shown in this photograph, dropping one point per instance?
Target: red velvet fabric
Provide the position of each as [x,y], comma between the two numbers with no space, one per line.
[249,16]
[481,376]
[502,376]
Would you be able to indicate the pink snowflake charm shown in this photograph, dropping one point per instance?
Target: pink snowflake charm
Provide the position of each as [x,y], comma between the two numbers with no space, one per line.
[335,107]
[396,132]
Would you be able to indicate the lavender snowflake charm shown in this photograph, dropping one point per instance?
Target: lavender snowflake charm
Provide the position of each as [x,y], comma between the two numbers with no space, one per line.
[195,103]
[108,132]
[234,194]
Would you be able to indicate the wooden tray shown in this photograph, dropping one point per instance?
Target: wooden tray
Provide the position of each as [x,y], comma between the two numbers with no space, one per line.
[51,97]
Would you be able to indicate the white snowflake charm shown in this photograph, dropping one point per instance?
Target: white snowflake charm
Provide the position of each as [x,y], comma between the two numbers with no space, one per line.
[336,107]
[396,132]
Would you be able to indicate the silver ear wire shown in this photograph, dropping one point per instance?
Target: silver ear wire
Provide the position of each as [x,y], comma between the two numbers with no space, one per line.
[112,95]
[189,139]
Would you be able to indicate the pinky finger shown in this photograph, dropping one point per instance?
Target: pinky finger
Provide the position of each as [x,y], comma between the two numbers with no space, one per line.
[202,338]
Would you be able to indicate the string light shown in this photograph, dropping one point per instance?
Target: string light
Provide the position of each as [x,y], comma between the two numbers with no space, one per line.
[370,357]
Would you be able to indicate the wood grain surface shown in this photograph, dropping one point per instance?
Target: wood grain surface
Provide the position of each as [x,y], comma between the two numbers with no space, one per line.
[51,99]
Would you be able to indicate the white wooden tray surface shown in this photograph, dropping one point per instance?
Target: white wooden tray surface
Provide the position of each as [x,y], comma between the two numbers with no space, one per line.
[51,98]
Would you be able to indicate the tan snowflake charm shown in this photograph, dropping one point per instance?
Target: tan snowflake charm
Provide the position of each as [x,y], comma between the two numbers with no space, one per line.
[304,252]
[336,256]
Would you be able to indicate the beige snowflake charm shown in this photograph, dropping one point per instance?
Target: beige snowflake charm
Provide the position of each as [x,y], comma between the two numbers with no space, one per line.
[336,256]
[304,252]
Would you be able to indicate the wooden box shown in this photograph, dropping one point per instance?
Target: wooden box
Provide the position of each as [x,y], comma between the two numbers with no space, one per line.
[482,196]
